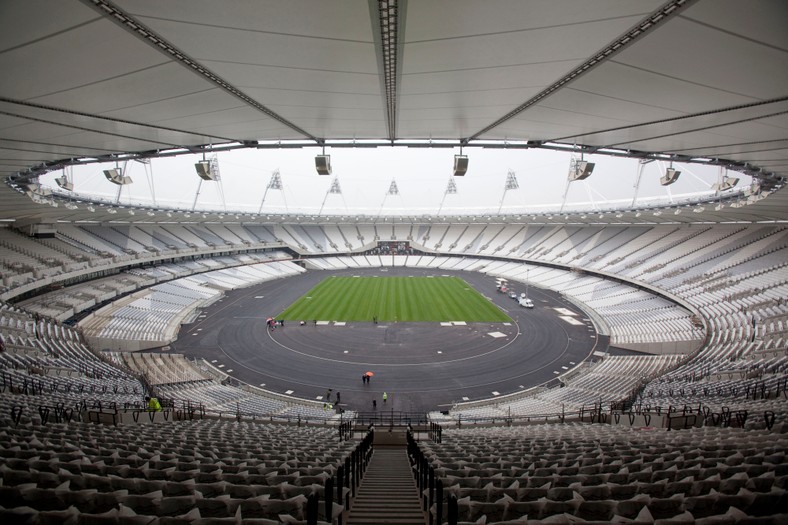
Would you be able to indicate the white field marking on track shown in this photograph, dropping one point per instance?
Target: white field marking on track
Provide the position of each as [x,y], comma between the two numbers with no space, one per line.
[564,311]
[220,366]
[259,296]
[214,360]
[333,360]
[440,351]
[598,353]
[570,320]
[229,370]
[507,324]
[289,392]
[262,384]
[446,324]
[556,372]
[339,323]
[466,398]
[565,368]
[459,323]
[319,398]
[496,335]
[496,393]
[344,352]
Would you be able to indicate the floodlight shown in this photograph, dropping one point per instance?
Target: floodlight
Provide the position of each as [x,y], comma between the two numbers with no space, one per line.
[115,176]
[35,189]
[460,165]
[726,184]
[581,170]
[64,183]
[323,164]
[203,169]
[671,176]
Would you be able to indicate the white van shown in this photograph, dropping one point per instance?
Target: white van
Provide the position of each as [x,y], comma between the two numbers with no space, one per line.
[526,302]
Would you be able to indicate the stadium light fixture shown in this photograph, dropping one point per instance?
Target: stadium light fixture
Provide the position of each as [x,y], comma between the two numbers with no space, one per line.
[460,164]
[323,163]
[115,176]
[203,169]
[35,189]
[208,169]
[671,175]
[727,183]
[64,183]
[580,169]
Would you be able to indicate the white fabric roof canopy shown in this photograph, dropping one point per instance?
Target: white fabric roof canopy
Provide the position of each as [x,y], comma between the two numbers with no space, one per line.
[89,78]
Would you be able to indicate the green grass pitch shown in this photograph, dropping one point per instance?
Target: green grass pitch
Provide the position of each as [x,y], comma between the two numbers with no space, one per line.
[432,299]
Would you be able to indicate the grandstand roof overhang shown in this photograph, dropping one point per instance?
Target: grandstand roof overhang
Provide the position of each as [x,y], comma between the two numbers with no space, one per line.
[689,79]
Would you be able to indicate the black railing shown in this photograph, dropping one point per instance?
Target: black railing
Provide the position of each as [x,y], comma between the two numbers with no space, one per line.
[391,418]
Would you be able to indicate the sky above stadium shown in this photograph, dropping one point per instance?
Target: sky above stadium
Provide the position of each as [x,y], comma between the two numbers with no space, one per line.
[421,176]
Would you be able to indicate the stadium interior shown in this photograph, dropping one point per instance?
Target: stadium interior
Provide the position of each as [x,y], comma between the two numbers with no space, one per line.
[680,417]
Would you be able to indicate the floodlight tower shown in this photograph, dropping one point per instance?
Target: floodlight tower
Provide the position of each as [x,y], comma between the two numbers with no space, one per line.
[274,183]
[511,184]
[334,189]
[393,190]
[451,189]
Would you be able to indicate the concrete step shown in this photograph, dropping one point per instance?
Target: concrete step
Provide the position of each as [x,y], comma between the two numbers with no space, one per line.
[388,493]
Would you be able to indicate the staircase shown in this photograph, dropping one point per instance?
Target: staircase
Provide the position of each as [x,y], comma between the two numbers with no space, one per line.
[388,493]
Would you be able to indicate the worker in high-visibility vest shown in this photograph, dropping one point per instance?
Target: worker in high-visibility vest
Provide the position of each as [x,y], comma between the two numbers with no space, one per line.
[153,404]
